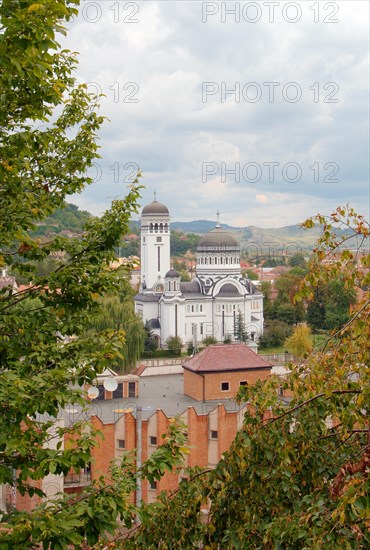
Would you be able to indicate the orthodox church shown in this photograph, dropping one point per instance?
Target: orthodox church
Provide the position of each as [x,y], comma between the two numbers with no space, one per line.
[209,305]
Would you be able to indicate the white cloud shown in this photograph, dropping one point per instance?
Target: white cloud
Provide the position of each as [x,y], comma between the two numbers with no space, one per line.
[170,131]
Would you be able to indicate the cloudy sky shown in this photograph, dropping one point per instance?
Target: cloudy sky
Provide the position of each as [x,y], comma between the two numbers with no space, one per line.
[258,109]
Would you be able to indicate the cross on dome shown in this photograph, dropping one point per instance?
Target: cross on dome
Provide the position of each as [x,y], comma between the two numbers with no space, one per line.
[155,195]
[218,218]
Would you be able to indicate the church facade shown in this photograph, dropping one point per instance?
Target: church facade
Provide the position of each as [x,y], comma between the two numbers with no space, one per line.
[211,303]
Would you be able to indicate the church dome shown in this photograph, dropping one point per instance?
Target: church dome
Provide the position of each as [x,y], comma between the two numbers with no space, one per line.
[172,274]
[155,208]
[217,238]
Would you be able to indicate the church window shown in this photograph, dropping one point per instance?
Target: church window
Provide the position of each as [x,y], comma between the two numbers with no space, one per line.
[201,307]
[151,228]
[201,329]
[156,228]
[161,227]
[205,261]
[226,260]
[159,258]
[215,261]
[158,239]
[192,309]
[223,308]
[221,260]
[169,285]
[143,239]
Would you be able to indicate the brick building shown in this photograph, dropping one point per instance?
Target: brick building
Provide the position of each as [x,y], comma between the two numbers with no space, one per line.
[138,412]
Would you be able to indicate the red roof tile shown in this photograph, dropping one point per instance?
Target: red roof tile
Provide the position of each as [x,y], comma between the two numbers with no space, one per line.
[226,358]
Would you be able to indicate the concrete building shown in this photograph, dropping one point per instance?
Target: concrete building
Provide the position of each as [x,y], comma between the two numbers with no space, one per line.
[211,302]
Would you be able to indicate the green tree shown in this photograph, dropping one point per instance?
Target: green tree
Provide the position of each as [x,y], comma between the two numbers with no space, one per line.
[330,307]
[240,330]
[119,315]
[48,141]
[174,344]
[274,334]
[209,340]
[150,343]
[296,475]
[250,274]
[298,260]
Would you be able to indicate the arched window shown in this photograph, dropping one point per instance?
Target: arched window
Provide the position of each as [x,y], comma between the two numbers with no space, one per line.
[151,228]
[161,227]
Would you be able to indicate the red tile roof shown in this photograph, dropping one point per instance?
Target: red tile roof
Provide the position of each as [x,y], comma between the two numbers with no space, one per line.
[226,358]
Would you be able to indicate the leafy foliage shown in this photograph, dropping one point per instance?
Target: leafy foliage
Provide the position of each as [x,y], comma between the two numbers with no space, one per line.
[181,242]
[274,334]
[209,340]
[47,142]
[299,342]
[174,344]
[117,313]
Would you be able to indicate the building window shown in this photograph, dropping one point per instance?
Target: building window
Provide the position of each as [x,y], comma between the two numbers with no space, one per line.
[118,393]
[158,239]
[152,440]
[143,239]
[121,444]
[192,309]
[153,485]
[201,308]
[159,259]
[132,389]
[214,434]
[201,329]
[243,383]
[225,386]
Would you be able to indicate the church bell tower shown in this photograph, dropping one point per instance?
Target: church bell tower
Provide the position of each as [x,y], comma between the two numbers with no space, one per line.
[155,246]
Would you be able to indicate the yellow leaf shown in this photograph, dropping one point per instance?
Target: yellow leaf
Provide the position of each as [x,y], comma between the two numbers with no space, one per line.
[35,7]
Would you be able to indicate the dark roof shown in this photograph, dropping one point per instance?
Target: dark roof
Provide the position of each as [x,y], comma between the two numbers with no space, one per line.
[226,358]
[147,297]
[190,288]
[229,290]
[218,238]
[172,273]
[155,208]
[154,323]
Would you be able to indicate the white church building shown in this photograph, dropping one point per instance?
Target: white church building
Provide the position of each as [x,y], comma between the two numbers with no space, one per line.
[208,305]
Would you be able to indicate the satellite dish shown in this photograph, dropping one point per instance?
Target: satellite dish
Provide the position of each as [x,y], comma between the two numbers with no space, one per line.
[93,392]
[110,384]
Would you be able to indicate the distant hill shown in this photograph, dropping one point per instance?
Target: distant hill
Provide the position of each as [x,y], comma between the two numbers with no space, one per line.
[69,220]
[199,226]
[263,238]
